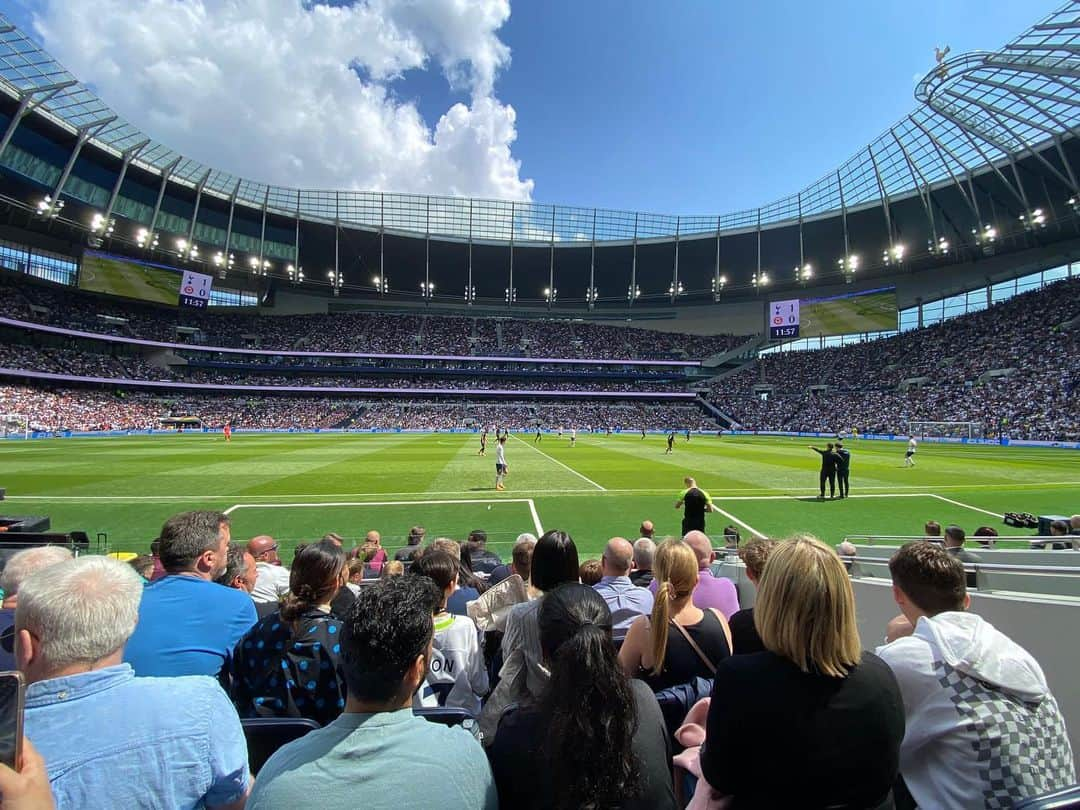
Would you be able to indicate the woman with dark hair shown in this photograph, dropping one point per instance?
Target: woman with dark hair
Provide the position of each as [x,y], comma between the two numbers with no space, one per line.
[523,675]
[288,664]
[598,737]
[456,675]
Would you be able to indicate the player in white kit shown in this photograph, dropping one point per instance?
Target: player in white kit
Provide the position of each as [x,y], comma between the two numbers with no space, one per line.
[500,463]
[573,437]
[909,456]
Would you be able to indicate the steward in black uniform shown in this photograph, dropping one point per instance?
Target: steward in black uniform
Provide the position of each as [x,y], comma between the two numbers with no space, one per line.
[828,469]
[843,466]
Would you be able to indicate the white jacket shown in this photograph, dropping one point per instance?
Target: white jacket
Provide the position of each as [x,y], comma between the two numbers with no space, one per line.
[456,668]
[983,729]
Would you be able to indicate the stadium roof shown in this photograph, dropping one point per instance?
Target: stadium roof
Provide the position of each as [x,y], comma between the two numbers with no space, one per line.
[977,112]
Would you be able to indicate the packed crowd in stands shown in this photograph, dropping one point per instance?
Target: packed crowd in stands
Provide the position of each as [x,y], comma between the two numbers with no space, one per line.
[439,674]
[376,332]
[1037,400]
[78,409]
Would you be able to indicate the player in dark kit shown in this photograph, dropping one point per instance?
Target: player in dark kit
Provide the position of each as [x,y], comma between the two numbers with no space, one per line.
[483,443]
[843,467]
[643,433]
[670,443]
[688,435]
[539,434]
[694,502]
[829,459]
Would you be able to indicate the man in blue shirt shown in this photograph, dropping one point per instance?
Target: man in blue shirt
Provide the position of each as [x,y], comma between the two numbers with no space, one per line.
[377,754]
[110,739]
[625,599]
[188,624]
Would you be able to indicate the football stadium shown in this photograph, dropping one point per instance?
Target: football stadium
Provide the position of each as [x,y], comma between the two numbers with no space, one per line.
[398,456]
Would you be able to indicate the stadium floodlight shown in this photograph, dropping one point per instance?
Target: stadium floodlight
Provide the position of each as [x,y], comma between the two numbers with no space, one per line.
[804,273]
[985,235]
[591,296]
[633,292]
[760,279]
[221,261]
[675,290]
[295,274]
[510,295]
[336,280]
[427,289]
[99,224]
[48,208]
[1033,219]
[145,238]
[1074,204]
[848,264]
[551,294]
[940,247]
[470,294]
[382,284]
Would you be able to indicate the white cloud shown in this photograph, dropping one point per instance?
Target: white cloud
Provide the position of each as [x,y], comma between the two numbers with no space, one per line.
[269,89]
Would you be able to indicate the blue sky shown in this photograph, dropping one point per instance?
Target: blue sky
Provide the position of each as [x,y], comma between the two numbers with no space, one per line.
[675,107]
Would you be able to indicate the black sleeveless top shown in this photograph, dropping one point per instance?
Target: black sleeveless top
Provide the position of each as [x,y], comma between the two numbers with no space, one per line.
[681,663]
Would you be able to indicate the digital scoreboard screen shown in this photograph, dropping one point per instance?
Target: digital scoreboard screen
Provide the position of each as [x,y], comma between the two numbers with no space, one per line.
[114,275]
[847,314]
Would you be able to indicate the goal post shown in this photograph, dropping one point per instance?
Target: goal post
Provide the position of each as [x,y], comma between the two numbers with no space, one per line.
[947,430]
[15,424]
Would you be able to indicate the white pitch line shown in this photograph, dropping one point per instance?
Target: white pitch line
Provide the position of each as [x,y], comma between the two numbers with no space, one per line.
[801,497]
[734,519]
[564,466]
[536,518]
[968,506]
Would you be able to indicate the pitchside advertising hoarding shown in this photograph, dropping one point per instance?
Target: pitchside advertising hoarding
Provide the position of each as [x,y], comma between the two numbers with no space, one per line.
[847,314]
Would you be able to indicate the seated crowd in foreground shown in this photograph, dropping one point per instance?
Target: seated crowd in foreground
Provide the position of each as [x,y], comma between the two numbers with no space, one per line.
[137,689]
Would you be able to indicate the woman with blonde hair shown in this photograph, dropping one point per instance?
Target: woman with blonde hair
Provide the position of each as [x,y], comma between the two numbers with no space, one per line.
[831,713]
[678,642]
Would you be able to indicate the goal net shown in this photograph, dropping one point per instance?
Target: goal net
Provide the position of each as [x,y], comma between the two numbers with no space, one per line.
[14,424]
[947,430]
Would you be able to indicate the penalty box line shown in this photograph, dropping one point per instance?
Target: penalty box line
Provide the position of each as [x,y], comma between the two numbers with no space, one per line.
[528,501]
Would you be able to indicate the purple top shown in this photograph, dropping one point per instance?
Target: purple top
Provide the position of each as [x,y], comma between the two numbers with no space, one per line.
[713,592]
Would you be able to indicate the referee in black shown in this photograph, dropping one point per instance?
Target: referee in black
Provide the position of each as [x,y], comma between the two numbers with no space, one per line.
[694,502]
[828,469]
[843,466]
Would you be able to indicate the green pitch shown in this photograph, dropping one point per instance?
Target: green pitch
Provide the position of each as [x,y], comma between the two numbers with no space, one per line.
[297,487]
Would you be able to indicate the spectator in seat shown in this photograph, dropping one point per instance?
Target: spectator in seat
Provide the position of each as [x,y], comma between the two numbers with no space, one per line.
[731,538]
[744,636]
[679,641]
[711,591]
[524,675]
[520,560]
[372,553]
[829,712]
[483,561]
[620,756]
[93,721]
[188,624]
[240,571]
[647,529]
[590,572]
[23,564]
[288,665]
[144,566]
[414,544]
[624,599]
[847,551]
[1074,524]
[644,552]
[356,575]
[377,754]
[984,536]
[469,587]
[982,726]
[954,544]
[456,675]
[932,530]
[272,582]
[394,568]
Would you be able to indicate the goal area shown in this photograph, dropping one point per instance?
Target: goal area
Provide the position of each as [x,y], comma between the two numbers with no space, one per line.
[947,430]
[15,425]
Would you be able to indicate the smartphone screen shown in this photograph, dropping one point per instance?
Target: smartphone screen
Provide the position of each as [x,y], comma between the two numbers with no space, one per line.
[12,688]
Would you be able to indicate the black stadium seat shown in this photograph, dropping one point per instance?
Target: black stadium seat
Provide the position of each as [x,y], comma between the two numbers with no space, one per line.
[265,735]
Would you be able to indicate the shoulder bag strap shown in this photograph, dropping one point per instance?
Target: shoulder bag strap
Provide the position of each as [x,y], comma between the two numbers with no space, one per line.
[694,646]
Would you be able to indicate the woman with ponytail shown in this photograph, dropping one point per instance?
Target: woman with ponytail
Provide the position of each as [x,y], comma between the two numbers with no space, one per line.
[595,738]
[288,665]
[678,642]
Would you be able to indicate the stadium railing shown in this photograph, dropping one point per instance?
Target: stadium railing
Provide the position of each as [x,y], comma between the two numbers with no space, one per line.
[1067,799]
[1016,542]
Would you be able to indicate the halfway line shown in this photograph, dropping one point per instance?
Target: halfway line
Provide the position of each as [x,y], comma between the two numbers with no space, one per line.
[565,467]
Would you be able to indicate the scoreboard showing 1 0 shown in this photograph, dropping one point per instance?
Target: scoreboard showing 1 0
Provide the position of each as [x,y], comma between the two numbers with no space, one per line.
[195,289]
[784,319]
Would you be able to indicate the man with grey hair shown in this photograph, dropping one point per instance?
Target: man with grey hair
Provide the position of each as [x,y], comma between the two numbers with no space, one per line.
[711,591]
[178,740]
[24,563]
[625,600]
[20,566]
[240,571]
[644,551]
[188,624]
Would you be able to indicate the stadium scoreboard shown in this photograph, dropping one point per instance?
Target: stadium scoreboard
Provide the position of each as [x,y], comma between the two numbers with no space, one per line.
[784,319]
[195,289]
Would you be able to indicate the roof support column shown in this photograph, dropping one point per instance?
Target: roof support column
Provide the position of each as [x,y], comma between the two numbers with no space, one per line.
[128,156]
